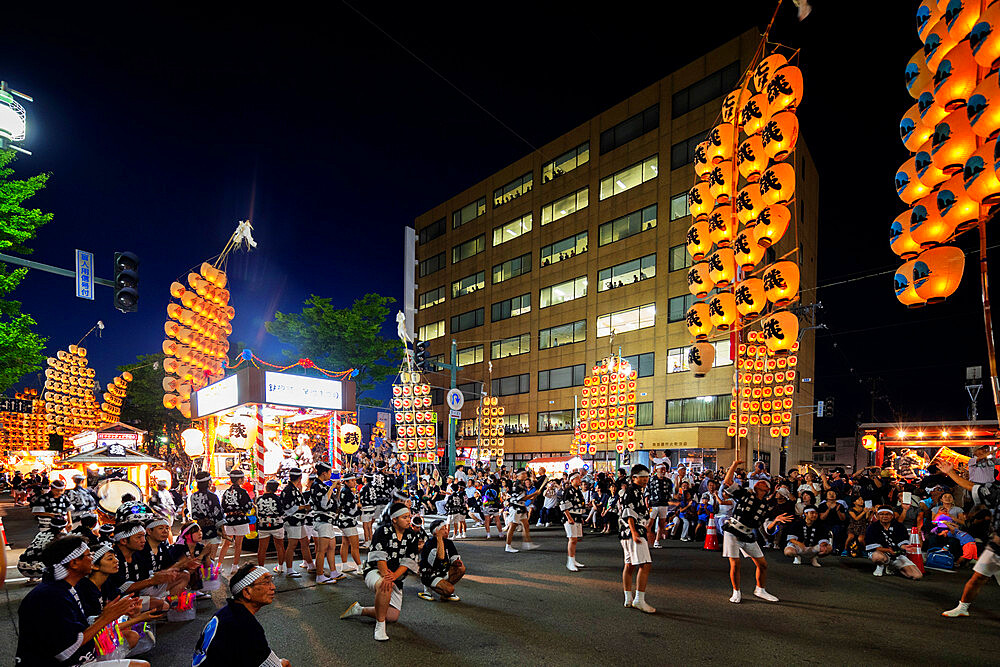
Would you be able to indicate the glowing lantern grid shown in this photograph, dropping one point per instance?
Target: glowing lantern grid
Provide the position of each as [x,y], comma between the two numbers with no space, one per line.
[490,429]
[416,430]
[607,410]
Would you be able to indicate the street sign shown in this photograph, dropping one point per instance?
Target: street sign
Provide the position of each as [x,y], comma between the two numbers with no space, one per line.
[456,399]
[85,274]
[819,408]
[15,405]
[455,414]
[973,372]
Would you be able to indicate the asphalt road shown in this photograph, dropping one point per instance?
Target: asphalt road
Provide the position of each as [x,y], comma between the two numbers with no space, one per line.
[527,608]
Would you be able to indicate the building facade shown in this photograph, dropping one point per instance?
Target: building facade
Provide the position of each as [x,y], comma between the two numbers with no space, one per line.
[577,251]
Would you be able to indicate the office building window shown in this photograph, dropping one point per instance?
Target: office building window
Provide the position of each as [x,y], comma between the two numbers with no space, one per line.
[512,229]
[510,347]
[561,378]
[627,225]
[468,320]
[468,249]
[431,331]
[468,284]
[437,396]
[682,153]
[432,264]
[566,162]
[563,334]
[508,386]
[513,424]
[644,414]
[698,409]
[677,357]
[468,213]
[432,298]
[555,420]
[679,206]
[471,391]
[431,231]
[467,428]
[714,85]
[571,246]
[508,308]
[680,258]
[562,292]
[437,358]
[512,190]
[678,306]
[630,128]
[628,319]
[626,273]
[642,364]
[470,355]
[564,206]
[629,177]
[512,268]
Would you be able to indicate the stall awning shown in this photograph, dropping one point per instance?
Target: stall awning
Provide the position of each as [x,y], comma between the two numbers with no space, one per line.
[122,456]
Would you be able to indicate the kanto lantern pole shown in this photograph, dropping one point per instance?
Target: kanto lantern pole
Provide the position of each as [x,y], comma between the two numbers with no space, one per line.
[988,316]
[259,448]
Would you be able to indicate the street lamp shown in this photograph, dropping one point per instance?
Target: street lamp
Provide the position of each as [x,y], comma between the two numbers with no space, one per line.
[194,442]
[13,123]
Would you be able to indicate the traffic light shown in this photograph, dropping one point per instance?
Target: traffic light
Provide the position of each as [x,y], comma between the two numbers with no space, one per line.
[126,282]
[420,355]
[829,407]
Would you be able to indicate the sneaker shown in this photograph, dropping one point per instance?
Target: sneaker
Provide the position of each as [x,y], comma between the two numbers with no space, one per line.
[202,595]
[337,574]
[956,612]
[352,611]
[323,579]
[571,567]
[348,568]
[511,550]
[797,561]
[815,562]
[686,539]
[487,536]
[276,569]
[879,571]
[578,563]
[293,574]
[450,598]
[736,597]
[528,546]
[425,596]
[644,607]
[656,545]
[380,635]
[764,595]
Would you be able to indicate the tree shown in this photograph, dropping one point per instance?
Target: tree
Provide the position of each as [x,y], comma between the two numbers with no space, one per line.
[20,347]
[342,338]
[143,405]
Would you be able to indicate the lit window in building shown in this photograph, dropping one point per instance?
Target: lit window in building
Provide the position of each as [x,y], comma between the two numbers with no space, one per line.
[564,206]
[566,162]
[629,177]
[628,319]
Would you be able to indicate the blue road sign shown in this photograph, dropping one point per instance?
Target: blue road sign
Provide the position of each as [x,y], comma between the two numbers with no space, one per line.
[85,274]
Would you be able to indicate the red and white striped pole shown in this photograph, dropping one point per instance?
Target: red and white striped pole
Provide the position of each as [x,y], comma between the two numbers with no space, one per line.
[338,456]
[259,448]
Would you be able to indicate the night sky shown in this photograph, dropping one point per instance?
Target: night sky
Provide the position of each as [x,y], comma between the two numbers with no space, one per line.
[161,131]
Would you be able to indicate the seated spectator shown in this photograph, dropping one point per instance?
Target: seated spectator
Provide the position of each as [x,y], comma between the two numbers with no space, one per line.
[135,567]
[859,518]
[808,538]
[947,506]
[30,563]
[833,514]
[949,534]
[886,542]
[806,498]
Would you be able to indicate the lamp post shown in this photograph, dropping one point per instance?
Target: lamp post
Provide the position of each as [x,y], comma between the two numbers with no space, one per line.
[13,120]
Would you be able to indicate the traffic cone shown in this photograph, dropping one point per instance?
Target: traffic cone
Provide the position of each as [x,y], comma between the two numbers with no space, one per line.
[711,537]
[3,536]
[917,555]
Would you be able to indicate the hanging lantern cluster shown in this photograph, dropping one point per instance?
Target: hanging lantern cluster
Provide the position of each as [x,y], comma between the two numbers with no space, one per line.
[951,132]
[316,429]
[197,336]
[764,394]
[70,406]
[25,430]
[415,420]
[490,429]
[607,413]
[114,397]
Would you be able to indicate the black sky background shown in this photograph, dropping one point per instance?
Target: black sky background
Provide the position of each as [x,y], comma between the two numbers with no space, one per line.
[162,129]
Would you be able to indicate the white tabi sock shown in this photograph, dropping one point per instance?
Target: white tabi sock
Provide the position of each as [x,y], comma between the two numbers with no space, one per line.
[640,597]
[628,598]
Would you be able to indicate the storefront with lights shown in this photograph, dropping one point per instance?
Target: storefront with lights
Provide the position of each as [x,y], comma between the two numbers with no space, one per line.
[926,438]
[115,446]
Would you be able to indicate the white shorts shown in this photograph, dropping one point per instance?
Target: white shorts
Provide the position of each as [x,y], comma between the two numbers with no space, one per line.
[988,564]
[351,531]
[373,580]
[276,533]
[733,547]
[455,519]
[238,529]
[157,591]
[327,530]
[309,531]
[294,532]
[490,511]
[636,553]
[367,517]
[574,529]
[899,562]
[659,512]
[513,516]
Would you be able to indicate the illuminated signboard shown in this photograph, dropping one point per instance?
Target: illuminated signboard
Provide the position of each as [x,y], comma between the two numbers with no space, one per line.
[117,442]
[301,391]
[218,396]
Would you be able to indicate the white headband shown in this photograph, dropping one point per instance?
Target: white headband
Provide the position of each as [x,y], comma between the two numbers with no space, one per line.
[253,575]
[59,570]
[156,522]
[400,512]
[129,533]
[99,551]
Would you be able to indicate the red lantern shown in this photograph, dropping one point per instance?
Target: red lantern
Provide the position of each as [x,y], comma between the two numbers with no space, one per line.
[937,273]
[771,225]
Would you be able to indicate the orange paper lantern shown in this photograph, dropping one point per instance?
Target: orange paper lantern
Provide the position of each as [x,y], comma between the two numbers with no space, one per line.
[912,130]
[752,114]
[698,321]
[903,286]
[771,225]
[784,89]
[937,44]
[900,240]
[979,177]
[955,77]
[765,69]
[700,201]
[702,165]
[699,280]
[937,273]
[781,283]
[747,252]
[983,108]
[751,159]
[749,204]
[720,181]
[908,186]
[698,242]
[916,76]
[721,225]
[984,38]
[721,143]
[722,267]
[777,184]
[722,311]
[750,297]
[780,331]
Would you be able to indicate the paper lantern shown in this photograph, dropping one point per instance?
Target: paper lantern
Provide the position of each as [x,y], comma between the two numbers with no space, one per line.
[958,210]
[698,321]
[702,166]
[771,225]
[983,108]
[955,77]
[960,16]
[777,184]
[937,273]
[937,44]
[784,89]
[747,252]
[781,283]
[780,134]
[916,76]
[169,348]
[927,15]
[765,70]
[698,240]
[912,130]
[722,267]
[733,102]
[952,143]
[721,143]
[749,204]
[721,225]
[699,281]
[903,286]
[984,38]
[979,177]
[751,159]
[750,297]
[780,331]
[722,311]
[900,240]
[700,201]
[930,113]
[752,114]
[720,181]
[926,171]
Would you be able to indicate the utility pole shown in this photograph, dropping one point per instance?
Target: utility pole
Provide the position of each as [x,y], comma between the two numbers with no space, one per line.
[452,421]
